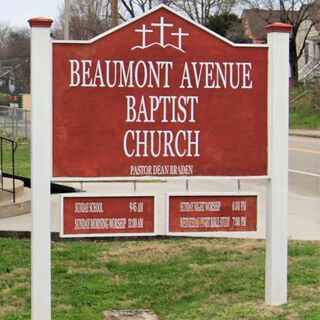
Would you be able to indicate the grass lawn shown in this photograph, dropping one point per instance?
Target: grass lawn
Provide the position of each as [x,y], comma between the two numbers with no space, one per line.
[305,111]
[304,117]
[22,159]
[179,279]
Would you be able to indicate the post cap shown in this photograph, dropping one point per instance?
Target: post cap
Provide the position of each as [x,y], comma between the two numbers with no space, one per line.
[40,22]
[279,27]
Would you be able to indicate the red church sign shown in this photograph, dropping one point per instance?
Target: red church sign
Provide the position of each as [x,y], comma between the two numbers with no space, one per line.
[159,96]
[211,213]
[96,215]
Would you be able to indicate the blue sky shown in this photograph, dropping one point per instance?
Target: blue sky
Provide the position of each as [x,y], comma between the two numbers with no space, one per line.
[17,12]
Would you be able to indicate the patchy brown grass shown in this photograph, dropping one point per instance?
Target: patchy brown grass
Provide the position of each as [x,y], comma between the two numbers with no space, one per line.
[180,279]
[16,273]
[6,310]
[306,291]
[160,251]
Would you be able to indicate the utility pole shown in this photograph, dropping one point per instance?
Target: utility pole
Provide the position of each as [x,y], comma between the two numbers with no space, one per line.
[66,19]
[114,12]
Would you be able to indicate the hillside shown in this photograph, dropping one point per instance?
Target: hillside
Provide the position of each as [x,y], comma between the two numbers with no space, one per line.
[305,107]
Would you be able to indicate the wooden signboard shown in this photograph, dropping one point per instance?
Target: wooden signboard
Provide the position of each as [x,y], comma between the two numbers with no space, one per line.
[207,213]
[96,215]
[159,96]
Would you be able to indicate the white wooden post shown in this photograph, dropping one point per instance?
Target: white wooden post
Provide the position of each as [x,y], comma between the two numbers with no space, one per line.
[277,216]
[41,91]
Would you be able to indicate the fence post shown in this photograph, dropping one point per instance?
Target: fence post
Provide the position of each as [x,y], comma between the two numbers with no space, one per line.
[5,123]
[12,122]
[25,114]
[41,91]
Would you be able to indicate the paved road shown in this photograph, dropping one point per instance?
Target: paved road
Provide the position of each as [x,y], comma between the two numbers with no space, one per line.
[304,166]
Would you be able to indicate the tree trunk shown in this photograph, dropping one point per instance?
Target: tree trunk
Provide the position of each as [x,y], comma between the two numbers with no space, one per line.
[294,61]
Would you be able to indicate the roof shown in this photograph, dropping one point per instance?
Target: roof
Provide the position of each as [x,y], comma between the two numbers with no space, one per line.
[255,21]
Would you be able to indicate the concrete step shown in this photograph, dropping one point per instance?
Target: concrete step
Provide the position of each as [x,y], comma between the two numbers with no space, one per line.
[7,185]
[22,204]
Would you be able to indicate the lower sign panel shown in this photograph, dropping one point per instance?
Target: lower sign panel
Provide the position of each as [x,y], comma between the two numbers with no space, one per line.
[93,215]
[211,213]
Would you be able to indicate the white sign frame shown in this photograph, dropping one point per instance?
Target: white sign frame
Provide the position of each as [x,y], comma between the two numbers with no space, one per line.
[277,216]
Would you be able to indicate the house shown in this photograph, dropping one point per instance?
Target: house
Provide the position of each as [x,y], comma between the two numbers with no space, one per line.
[255,20]
[7,80]
[309,63]
[15,75]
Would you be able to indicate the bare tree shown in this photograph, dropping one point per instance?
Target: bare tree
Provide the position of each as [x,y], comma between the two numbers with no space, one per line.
[299,13]
[88,18]
[132,8]
[308,14]
[91,17]
[15,55]
[4,35]
[197,10]
[16,43]
[201,10]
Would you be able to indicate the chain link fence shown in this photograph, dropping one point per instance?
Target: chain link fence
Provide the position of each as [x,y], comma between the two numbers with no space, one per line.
[15,122]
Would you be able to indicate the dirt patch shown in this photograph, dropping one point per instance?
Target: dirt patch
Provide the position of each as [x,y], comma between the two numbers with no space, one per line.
[131,315]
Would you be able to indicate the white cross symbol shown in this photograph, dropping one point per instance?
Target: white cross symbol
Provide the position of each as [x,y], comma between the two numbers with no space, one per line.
[162,26]
[144,32]
[180,34]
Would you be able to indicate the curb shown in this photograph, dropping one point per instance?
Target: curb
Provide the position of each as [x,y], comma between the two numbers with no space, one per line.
[305,133]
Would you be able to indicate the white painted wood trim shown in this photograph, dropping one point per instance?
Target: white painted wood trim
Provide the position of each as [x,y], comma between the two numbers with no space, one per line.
[41,91]
[277,207]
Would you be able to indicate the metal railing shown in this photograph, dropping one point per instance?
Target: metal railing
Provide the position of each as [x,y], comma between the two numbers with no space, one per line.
[15,122]
[14,146]
[309,70]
